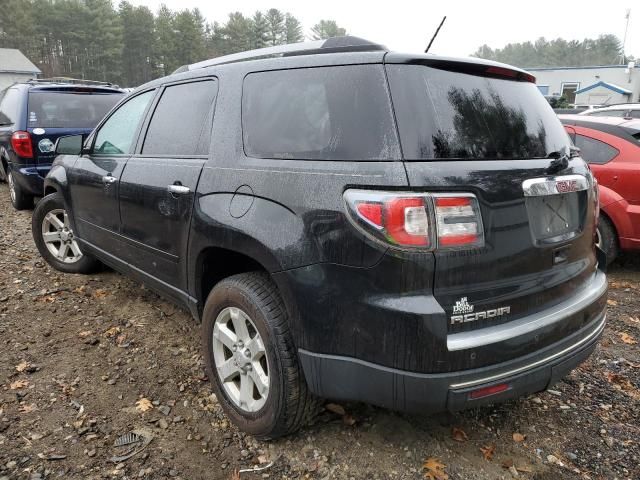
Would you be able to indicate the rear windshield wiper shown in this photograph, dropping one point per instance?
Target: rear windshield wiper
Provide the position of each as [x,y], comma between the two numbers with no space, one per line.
[561,159]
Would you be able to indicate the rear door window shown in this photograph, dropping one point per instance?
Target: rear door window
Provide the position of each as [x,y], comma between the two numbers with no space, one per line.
[450,115]
[56,109]
[595,151]
[324,113]
[181,123]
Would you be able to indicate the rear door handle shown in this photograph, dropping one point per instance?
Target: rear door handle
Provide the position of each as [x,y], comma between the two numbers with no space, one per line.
[178,189]
[108,179]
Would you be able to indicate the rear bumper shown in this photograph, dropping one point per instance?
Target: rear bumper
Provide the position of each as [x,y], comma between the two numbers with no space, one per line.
[344,378]
[31,178]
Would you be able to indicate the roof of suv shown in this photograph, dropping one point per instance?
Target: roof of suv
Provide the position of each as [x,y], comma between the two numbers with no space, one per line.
[351,49]
[64,84]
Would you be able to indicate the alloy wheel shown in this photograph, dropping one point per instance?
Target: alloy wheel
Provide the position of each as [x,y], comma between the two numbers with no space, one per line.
[58,237]
[240,359]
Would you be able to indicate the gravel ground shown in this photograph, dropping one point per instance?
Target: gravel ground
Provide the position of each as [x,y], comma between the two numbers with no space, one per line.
[86,360]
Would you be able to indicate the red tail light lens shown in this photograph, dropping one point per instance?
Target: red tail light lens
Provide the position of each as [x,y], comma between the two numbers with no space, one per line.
[21,143]
[457,221]
[442,221]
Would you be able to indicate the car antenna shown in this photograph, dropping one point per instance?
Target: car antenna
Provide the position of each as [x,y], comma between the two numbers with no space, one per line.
[435,34]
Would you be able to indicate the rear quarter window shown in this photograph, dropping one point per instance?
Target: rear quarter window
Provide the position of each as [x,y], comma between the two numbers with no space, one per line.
[324,113]
[595,151]
[9,106]
[450,115]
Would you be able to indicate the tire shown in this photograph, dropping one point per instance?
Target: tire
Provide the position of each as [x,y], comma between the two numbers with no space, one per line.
[607,239]
[70,258]
[288,404]
[19,199]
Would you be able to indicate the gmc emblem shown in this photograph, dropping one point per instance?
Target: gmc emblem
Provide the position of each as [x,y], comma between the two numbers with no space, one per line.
[566,186]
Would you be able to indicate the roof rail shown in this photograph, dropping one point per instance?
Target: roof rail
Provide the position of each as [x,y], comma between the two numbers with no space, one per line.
[74,81]
[330,45]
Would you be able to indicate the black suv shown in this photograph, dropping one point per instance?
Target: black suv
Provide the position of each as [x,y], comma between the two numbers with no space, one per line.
[410,231]
[33,115]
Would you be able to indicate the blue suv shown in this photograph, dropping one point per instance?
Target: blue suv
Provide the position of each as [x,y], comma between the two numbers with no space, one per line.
[33,115]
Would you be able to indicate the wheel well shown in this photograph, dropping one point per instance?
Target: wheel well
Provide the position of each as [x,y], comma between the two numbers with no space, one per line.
[604,215]
[216,264]
[49,190]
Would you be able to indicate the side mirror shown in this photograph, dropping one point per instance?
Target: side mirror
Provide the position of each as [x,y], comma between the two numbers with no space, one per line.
[70,145]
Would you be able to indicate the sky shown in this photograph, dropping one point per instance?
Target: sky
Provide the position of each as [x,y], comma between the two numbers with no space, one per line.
[407,26]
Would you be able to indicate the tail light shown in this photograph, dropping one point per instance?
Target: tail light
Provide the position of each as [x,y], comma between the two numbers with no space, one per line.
[425,221]
[21,143]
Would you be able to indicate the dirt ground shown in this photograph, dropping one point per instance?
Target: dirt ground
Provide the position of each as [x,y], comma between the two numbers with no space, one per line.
[82,357]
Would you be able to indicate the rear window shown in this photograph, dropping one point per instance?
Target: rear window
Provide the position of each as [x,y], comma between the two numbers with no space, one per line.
[69,110]
[326,113]
[449,115]
[595,151]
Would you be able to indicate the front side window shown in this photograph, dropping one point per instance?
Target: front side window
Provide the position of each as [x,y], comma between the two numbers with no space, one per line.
[117,135]
[181,122]
[595,151]
[325,113]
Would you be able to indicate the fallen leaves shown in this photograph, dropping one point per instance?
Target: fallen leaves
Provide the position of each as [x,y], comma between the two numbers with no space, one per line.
[347,419]
[235,475]
[518,437]
[628,339]
[143,405]
[509,464]
[112,332]
[18,384]
[434,469]
[22,366]
[612,302]
[488,451]
[99,293]
[620,382]
[459,435]
[27,408]
[335,408]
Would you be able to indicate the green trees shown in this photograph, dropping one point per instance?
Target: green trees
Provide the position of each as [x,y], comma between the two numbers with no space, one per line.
[604,50]
[131,45]
[326,29]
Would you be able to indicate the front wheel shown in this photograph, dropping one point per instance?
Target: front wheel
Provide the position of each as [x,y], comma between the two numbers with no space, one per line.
[55,240]
[19,199]
[251,359]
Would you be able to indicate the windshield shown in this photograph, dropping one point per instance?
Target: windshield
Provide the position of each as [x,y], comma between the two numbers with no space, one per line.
[69,109]
[444,114]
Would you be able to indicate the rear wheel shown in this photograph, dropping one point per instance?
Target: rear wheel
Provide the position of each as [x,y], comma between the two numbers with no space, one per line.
[607,239]
[251,359]
[19,198]
[55,240]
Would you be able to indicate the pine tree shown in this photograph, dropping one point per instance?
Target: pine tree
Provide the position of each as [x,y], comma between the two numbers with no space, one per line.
[293,29]
[277,33]
[326,29]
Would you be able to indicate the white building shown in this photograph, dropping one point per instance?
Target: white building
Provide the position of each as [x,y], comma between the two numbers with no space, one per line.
[600,85]
[15,67]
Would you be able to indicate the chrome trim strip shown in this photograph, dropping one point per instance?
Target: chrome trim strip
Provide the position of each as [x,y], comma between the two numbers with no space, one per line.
[530,323]
[599,328]
[537,187]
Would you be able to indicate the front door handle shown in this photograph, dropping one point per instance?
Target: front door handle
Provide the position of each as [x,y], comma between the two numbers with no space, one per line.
[108,179]
[178,189]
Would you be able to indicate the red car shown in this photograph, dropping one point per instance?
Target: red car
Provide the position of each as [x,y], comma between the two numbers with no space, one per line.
[612,148]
